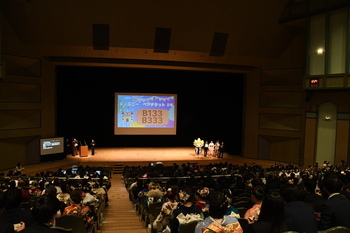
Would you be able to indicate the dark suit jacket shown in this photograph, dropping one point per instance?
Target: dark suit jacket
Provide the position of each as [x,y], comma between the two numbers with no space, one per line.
[335,212]
[6,227]
[302,216]
[316,200]
[41,228]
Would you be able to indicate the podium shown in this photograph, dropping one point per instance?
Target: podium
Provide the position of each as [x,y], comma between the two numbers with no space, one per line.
[83,151]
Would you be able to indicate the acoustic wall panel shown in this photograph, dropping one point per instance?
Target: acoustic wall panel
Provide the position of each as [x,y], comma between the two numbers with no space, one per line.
[279,99]
[19,92]
[280,122]
[22,66]
[274,148]
[282,77]
[19,119]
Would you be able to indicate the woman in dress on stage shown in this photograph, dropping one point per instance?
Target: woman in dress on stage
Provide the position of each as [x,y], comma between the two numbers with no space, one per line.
[211,148]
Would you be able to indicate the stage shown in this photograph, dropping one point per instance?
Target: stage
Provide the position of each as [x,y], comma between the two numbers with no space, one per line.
[140,156]
[143,154]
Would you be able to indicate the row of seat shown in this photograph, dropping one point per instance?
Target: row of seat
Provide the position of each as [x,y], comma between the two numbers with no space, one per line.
[337,229]
[77,224]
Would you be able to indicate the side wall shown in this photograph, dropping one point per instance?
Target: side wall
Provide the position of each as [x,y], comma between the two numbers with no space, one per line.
[342,126]
[27,102]
[274,114]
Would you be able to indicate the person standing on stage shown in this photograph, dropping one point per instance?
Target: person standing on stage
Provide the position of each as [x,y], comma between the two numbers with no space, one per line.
[75,147]
[198,144]
[206,147]
[216,148]
[211,148]
[92,146]
[221,150]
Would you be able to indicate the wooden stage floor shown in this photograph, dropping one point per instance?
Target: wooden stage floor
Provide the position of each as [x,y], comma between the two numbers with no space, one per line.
[135,156]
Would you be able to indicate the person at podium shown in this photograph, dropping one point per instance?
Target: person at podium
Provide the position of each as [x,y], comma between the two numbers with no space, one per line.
[74,147]
[92,146]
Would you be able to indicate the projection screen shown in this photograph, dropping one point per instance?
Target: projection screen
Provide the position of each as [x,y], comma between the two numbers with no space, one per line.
[145,114]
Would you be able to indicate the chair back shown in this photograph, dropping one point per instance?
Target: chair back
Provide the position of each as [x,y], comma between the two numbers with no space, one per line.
[188,227]
[337,229]
[76,223]
[154,210]
[243,222]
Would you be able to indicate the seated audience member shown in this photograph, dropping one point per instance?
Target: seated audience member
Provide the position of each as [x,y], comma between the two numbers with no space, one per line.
[56,183]
[186,211]
[5,226]
[64,196]
[217,221]
[311,196]
[154,195]
[257,195]
[52,191]
[78,208]
[301,214]
[201,200]
[336,210]
[166,212]
[18,169]
[34,189]
[23,185]
[136,187]
[44,213]
[272,218]
[90,197]
[144,191]
[14,214]
[231,210]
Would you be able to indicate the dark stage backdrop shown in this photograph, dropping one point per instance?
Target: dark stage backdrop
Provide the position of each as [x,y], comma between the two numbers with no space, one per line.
[210,105]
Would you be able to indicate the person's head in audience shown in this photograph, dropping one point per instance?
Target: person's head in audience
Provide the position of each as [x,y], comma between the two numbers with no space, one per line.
[310,185]
[45,209]
[63,186]
[2,202]
[50,190]
[332,184]
[12,184]
[272,212]
[20,183]
[172,192]
[218,204]
[257,194]
[77,196]
[13,198]
[202,194]
[186,197]
[292,192]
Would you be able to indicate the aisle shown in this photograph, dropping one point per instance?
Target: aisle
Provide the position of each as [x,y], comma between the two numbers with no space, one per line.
[120,215]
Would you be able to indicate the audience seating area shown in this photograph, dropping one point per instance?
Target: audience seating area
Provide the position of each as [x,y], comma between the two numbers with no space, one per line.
[234,180]
[93,181]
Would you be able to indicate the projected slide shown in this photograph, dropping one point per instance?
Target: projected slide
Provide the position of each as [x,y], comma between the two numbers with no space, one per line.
[51,145]
[140,113]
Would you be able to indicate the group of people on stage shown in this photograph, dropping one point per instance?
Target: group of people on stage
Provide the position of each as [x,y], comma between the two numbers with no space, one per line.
[209,149]
[72,146]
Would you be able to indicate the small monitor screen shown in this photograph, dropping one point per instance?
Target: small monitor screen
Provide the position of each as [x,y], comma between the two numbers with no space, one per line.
[51,145]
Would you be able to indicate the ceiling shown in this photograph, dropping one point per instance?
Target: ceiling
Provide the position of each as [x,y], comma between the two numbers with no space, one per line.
[62,30]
